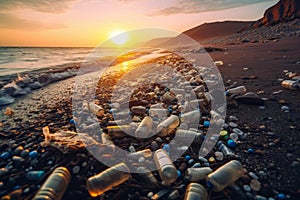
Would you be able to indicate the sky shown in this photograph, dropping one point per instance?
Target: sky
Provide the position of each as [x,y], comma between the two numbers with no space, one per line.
[90,22]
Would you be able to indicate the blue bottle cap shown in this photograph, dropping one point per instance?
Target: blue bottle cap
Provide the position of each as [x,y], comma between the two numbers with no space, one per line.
[33,154]
[72,121]
[231,143]
[281,196]
[178,173]
[166,147]
[206,124]
[187,157]
[250,150]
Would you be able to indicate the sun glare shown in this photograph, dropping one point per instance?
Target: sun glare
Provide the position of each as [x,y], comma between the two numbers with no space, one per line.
[119,37]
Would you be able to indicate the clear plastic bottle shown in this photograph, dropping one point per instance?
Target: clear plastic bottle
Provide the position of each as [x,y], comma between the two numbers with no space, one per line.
[292,85]
[146,153]
[168,125]
[225,175]
[144,128]
[158,112]
[188,135]
[108,179]
[192,117]
[225,150]
[146,176]
[106,139]
[197,174]
[97,110]
[166,168]
[55,185]
[237,90]
[195,191]
[118,131]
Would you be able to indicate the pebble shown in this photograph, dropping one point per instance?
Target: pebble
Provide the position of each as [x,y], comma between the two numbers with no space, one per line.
[196,165]
[76,169]
[202,159]
[233,125]
[247,188]
[219,155]
[262,173]
[285,108]
[33,154]
[84,164]
[255,185]
[253,175]
[281,196]
[259,197]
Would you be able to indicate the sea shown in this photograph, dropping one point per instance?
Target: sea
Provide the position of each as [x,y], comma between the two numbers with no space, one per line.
[15,60]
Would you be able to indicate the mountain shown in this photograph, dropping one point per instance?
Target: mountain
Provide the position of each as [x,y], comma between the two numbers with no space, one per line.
[284,10]
[203,32]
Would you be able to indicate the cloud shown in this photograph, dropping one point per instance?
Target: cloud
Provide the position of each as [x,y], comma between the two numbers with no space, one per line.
[197,6]
[49,6]
[8,21]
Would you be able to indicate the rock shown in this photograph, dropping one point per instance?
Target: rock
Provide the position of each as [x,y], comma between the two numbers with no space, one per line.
[284,10]
[44,79]
[35,85]
[250,98]
[5,99]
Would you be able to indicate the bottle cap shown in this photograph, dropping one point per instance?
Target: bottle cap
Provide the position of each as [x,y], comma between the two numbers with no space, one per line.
[223,133]
[231,143]
[206,124]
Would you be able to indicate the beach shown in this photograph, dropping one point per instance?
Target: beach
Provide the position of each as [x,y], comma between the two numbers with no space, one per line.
[271,132]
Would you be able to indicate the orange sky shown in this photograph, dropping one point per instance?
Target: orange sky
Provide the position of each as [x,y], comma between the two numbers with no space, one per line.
[90,22]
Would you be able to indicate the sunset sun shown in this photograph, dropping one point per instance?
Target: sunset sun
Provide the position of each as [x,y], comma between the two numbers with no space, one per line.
[118,37]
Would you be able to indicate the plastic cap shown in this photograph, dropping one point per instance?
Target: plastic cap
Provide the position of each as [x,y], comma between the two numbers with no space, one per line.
[231,143]
[206,124]
[223,133]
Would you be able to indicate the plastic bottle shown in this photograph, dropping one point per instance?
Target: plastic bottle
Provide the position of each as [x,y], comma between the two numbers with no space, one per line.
[166,168]
[108,179]
[144,128]
[146,176]
[237,90]
[188,135]
[192,117]
[292,85]
[35,175]
[97,110]
[168,125]
[118,131]
[146,153]
[138,109]
[225,175]
[158,112]
[195,191]
[106,139]
[225,150]
[197,174]
[55,185]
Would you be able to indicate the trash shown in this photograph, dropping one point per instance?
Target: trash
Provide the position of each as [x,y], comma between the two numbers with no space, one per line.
[108,179]
[224,149]
[292,85]
[188,135]
[197,174]
[97,110]
[195,191]
[146,153]
[146,176]
[225,175]
[219,63]
[166,168]
[160,194]
[145,128]
[138,109]
[55,185]
[237,90]
[192,117]
[67,140]
[168,125]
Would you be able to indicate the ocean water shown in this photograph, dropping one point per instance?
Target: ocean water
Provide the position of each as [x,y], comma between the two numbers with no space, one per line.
[25,59]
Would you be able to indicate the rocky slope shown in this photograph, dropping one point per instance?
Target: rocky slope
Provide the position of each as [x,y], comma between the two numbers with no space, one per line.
[284,10]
